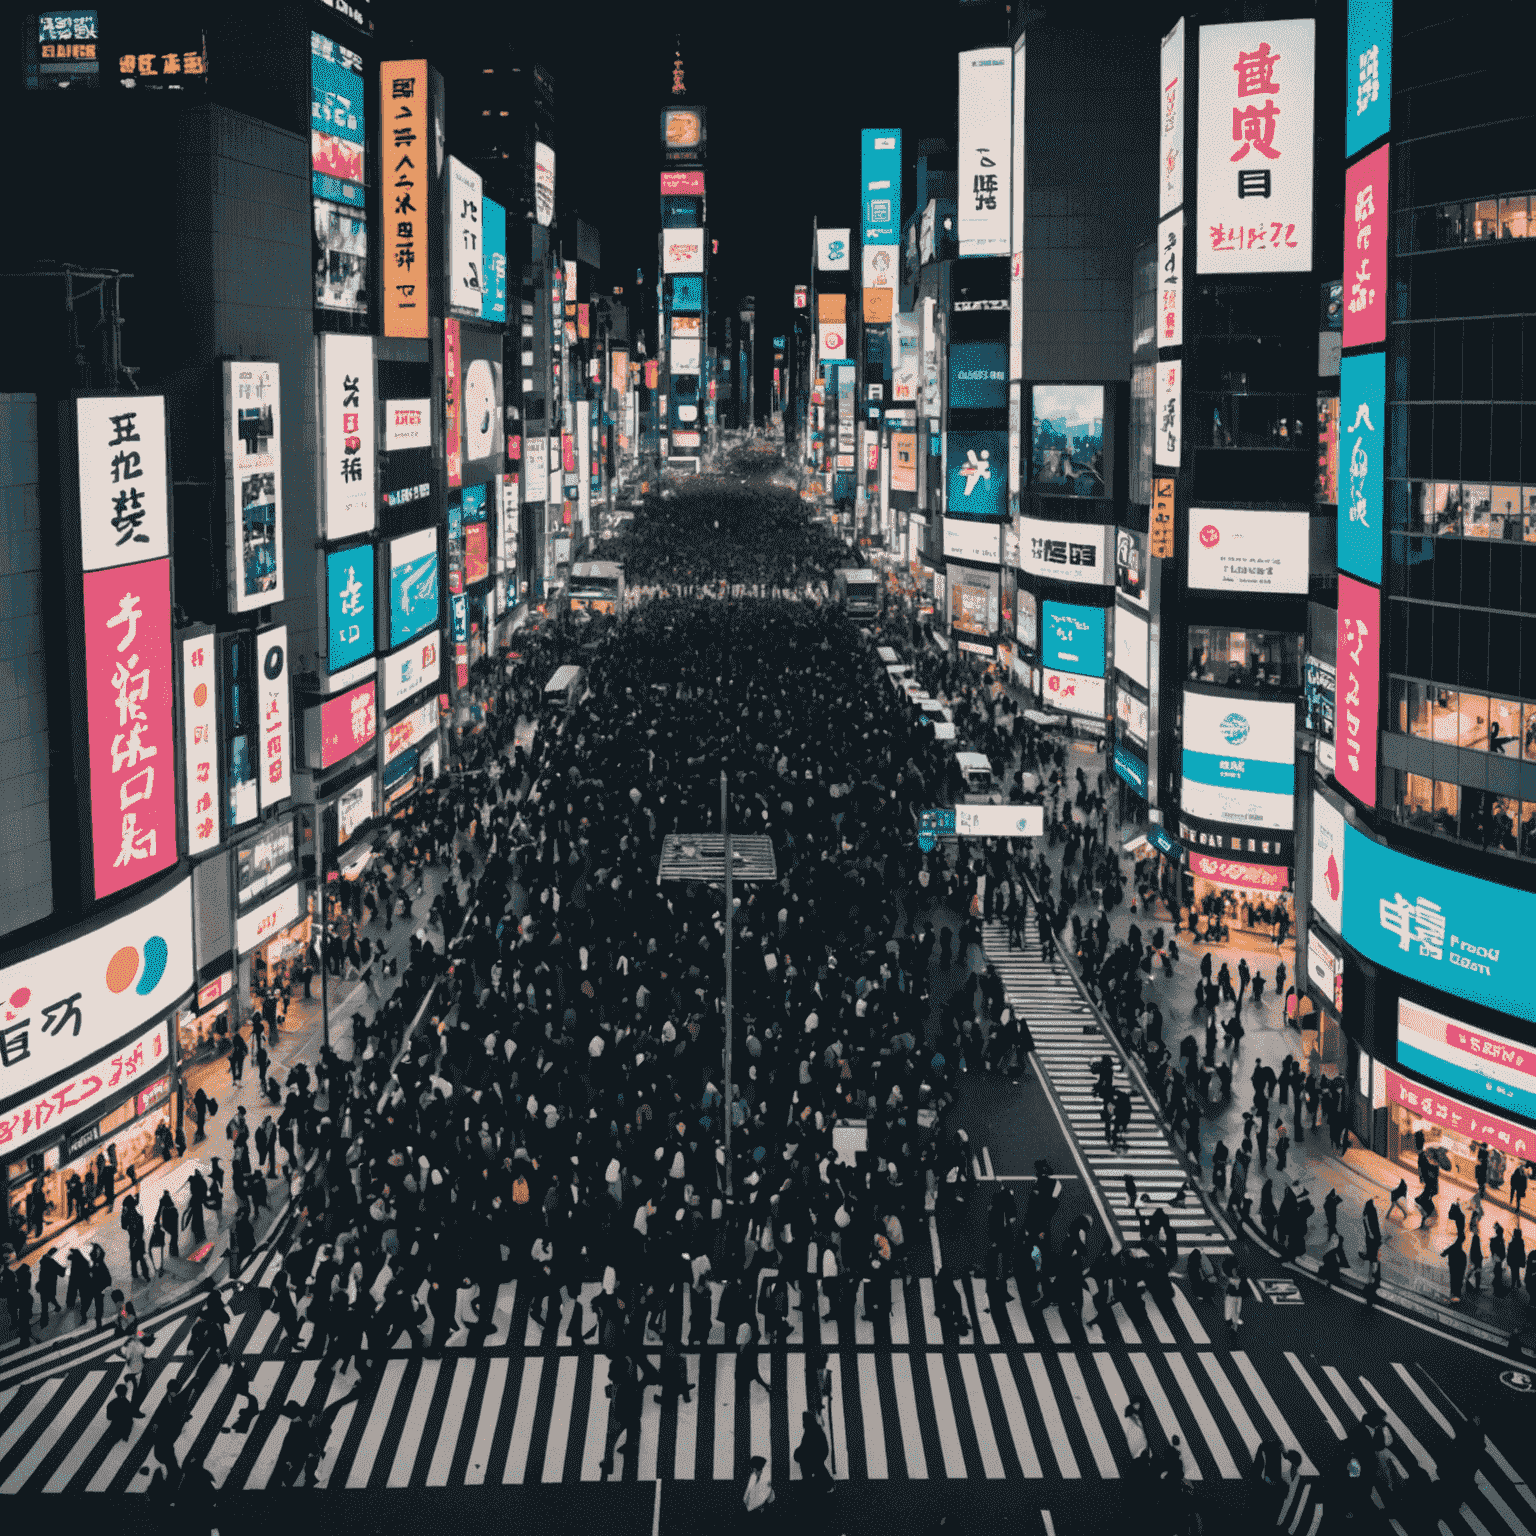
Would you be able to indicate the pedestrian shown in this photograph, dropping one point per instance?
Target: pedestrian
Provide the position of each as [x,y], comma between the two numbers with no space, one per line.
[1399,1200]
[1232,1311]
[1282,1147]
[759,1490]
[121,1413]
[1456,1257]
[812,1452]
[1496,1252]
[1331,1204]
[1516,1255]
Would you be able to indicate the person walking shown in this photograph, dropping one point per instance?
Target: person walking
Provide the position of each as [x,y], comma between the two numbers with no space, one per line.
[1497,1253]
[1516,1254]
[812,1453]
[121,1413]
[1399,1200]
[1371,1253]
[1456,1257]
[758,1494]
[1232,1310]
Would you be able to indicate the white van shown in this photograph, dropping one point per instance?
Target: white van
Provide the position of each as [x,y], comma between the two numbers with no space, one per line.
[978,787]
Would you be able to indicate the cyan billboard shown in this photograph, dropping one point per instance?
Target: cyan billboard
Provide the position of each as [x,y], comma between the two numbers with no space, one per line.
[1072,638]
[880,186]
[1362,464]
[978,475]
[349,605]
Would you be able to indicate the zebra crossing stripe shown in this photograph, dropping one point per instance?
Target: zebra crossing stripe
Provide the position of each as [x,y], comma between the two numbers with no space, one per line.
[43,1445]
[560,1418]
[911,1437]
[458,1400]
[378,1422]
[1097,1442]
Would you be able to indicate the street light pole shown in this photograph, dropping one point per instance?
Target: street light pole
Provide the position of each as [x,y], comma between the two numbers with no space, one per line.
[725,827]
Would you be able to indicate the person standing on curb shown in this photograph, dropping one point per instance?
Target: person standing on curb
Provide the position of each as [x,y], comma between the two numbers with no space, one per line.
[1232,1309]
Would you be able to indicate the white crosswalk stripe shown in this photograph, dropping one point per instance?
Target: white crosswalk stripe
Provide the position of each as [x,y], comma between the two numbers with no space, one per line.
[1069,1040]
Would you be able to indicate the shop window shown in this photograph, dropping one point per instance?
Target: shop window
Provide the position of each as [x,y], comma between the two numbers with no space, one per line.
[1503,726]
[1416,801]
[1485,219]
[1447,809]
[1513,218]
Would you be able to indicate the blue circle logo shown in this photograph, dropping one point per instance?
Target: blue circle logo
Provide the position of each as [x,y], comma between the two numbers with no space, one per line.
[1234,728]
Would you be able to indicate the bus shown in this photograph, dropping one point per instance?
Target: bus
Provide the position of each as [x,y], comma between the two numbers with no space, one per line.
[858,592]
[597,585]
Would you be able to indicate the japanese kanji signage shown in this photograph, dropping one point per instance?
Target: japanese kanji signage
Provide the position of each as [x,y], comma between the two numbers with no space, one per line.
[1255,148]
[346,723]
[985,157]
[493,223]
[274,763]
[1160,517]
[1365,251]
[1436,1108]
[90,1087]
[1362,463]
[265,922]
[1367,73]
[1064,551]
[1359,686]
[466,255]
[1170,150]
[132,742]
[453,436]
[199,725]
[1170,271]
[124,491]
[412,668]
[1169,430]
[72,1001]
[1248,551]
[349,587]
[253,460]
[405,143]
[347,412]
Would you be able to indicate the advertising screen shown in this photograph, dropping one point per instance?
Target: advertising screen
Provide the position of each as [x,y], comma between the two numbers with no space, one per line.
[978,374]
[978,475]
[904,461]
[341,258]
[349,586]
[1170,157]
[1255,147]
[1328,827]
[682,250]
[683,184]
[1026,620]
[1320,688]
[347,411]
[1448,930]
[253,462]
[118,440]
[1131,645]
[1359,684]
[407,424]
[1248,551]
[403,87]
[1067,446]
[347,723]
[493,239]
[544,184]
[985,119]
[1325,484]
[1132,715]
[1131,767]
[200,741]
[266,861]
[130,723]
[1168,441]
[1486,1066]
[463,195]
[74,1000]
[1072,639]
[481,419]
[412,668]
[477,553]
[1170,284]
[1362,464]
[1368,79]
[880,266]
[1365,251]
[833,250]
[999,820]
[1131,566]
[973,601]
[355,806]
[1073,692]
[880,184]
[274,751]
[1269,878]
[413,586]
[1064,551]
[336,127]
[1239,760]
[970,541]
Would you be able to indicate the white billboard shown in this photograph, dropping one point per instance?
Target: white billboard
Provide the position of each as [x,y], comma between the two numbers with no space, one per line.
[1170,151]
[74,1000]
[124,490]
[253,465]
[834,342]
[466,246]
[407,424]
[412,668]
[1065,551]
[200,741]
[346,414]
[544,184]
[274,762]
[985,123]
[268,920]
[1074,692]
[1254,147]
[965,540]
[535,469]
[1328,863]
[682,250]
[1132,713]
[685,354]
[834,250]
[1231,551]
[880,266]
[1169,435]
[1170,281]
[1239,760]
[999,820]
[1131,645]
[906,369]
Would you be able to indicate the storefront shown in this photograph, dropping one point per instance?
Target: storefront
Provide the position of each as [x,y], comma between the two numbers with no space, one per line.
[272,938]
[203,1030]
[113,1109]
[1243,898]
[1319,1010]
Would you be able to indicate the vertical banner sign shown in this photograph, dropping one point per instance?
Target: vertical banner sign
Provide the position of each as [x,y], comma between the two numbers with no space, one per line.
[336,126]
[253,463]
[1169,407]
[452,434]
[199,719]
[1255,148]
[1359,683]
[905,371]
[880,195]
[1365,251]
[493,226]
[466,257]
[1362,455]
[1170,263]
[536,472]
[984,186]
[1170,153]
[1016,222]
[544,184]
[1160,538]
[124,500]
[349,587]
[405,143]
[275,774]
[347,421]
[1368,77]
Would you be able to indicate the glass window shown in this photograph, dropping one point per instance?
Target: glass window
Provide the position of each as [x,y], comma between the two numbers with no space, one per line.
[1447,808]
[1416,801]
[1477,502]
[1504,519]
[1530,733]
[1504,726]
[1530,514]
[1485,218]
[1503,827]
[1416,711]
[1527,832]
[1445,724]
[1472,722]
[1512,218]
[1452,224]
[1447,508]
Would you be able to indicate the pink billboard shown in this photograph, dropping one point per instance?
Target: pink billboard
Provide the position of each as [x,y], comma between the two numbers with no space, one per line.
[682,183]
[1270,878]
[1359,687]
[347,722]
[1365,251]
[1438,1108]
[130,723]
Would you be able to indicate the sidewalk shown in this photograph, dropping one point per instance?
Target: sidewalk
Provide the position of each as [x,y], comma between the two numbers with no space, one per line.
[300,1040]
[1414,1275]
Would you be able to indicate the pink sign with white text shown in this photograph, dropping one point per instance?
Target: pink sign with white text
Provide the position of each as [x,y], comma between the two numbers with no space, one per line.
[130,723]
[1365,251]
[1359,688]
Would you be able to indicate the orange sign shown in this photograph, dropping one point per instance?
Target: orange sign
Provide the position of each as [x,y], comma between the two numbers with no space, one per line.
[903,461]
[877,306]
[681,129]
[1160,541]
[405,142]
[831,308]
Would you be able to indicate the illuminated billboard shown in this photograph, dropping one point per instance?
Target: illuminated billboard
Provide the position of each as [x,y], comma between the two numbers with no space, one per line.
[1067,445]
[347,723]
[463,194]
[1232,551]
[336,126]
[413,585]
[253,465]
[1239,762]
[984,183]
[1064,551]
[349,605]
[1072,638]
[403,90]
[347,421]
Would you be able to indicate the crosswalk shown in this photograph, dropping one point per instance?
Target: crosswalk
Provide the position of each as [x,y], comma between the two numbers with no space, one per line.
[457,1418]
[1069,1041]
